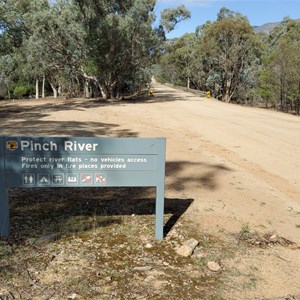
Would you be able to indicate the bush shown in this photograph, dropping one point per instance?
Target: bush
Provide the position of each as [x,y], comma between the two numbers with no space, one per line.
[23,89]
[19,91]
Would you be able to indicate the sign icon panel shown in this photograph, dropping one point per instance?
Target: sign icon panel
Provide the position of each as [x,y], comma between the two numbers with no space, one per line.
[28,179]
[58,179]
[72,178]
[43,179]
[100,178]
[86,178]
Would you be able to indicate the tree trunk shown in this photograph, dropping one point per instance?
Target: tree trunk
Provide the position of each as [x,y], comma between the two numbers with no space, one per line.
[104,92]
[54,89]
[36,88]
[86,89]
[227,92]
[43,86]
[188,83]
[7,86]
[60,90]
[297,104]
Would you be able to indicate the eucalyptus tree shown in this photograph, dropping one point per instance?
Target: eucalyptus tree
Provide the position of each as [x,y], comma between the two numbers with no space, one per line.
[178,59]
[47,41]
[7,67]
[55,47]
[120,43]
[12,34]
[233,51]
[172,16]
[280,77]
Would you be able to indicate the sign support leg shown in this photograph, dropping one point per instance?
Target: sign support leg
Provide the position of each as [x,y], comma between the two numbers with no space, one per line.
[4,208]
[4,212]
[159,213]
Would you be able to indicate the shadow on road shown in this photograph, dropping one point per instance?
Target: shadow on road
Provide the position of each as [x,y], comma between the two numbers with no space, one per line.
[30,120]
[204,175]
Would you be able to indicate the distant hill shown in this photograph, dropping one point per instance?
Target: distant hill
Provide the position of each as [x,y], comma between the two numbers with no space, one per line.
[267,28]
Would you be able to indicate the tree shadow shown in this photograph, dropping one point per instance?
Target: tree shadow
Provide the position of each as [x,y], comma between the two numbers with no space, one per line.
[65,128]
[203,175]
[30,121]
[26,108]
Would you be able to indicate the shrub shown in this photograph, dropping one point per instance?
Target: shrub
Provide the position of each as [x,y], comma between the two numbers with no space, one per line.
[23,89]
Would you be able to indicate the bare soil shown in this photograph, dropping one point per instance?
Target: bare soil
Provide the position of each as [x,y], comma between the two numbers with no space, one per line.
[232,183]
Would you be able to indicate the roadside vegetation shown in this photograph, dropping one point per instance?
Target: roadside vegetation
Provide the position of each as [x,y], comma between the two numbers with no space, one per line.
[110,49]
[80,48]
[235,64]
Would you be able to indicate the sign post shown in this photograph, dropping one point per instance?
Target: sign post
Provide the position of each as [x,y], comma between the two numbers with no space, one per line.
[30,162]
[160,194]
[4,209]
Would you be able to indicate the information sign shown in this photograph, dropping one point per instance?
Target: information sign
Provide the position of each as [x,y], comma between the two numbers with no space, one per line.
[29,162]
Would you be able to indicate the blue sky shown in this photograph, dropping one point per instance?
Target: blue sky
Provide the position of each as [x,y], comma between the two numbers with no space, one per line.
[258,12]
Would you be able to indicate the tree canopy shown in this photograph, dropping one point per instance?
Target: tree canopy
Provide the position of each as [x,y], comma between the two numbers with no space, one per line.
[111,48]
[102,47]
[229,59]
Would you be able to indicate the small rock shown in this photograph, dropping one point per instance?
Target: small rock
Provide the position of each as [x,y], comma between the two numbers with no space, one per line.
[192,243]
[143,269]
[187,248]
[185,251]
[73,296]
[200,255]
[148,246]
[273,238]
[213,266]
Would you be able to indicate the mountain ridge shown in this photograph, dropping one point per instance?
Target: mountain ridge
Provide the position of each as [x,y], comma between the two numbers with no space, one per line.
[268,27]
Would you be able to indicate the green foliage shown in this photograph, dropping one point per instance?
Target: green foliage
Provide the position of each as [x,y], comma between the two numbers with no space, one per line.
[23,89]
[235,64]
[121,43]
[108,47]
[222,57]
[244,233]
[279,81]
[171,17]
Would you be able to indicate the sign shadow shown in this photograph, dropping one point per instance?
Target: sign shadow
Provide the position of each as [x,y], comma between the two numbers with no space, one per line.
[56,212]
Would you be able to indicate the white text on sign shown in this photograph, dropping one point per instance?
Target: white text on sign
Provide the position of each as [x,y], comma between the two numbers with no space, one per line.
[70,146]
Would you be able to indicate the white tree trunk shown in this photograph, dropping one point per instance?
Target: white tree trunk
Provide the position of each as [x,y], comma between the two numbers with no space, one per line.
[60,90]
[54,89]
[7,86]
[103,93]
[43,86]
[37,88]
[86,89]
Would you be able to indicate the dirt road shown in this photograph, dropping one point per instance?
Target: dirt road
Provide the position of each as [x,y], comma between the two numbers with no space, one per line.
[239,165]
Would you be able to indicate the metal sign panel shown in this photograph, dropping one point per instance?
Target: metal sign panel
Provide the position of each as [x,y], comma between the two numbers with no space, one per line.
[29,162]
